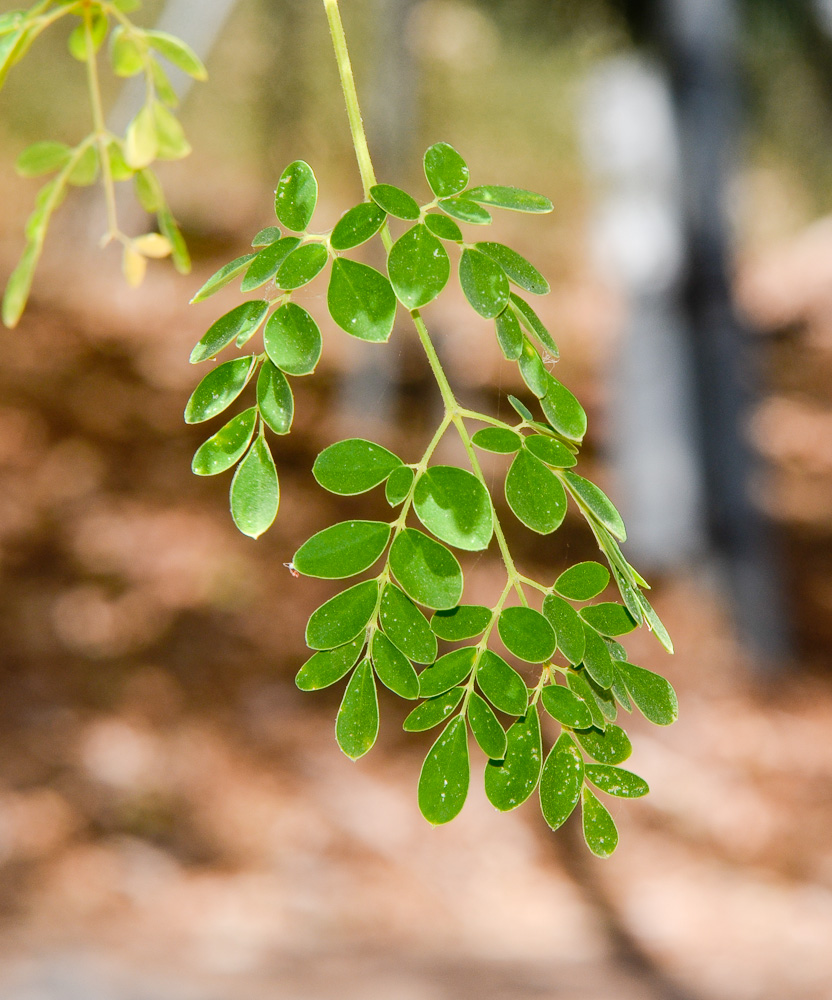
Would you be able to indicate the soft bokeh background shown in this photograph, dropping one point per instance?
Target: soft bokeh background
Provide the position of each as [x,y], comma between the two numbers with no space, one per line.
[175,818]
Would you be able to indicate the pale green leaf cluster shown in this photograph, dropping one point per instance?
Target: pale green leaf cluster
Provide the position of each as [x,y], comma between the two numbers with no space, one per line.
[154,133]
[546,650]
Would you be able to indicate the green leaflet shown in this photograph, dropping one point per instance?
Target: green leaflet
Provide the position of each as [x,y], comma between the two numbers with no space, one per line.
[516,199]
[292,339]
[604,699]
[519,408]
[356,726]
[610,747]
[445,170]
[561,781]
[509,335]
[267,262]
[583,581]
[609,618]
[393,668]
[361,300]
[597,659]
[296,196]
[255,491]
[42,158]
[534,494]
[532,369]
[329,665]
[226,274]
[443,783]
[342,550]
[433,711]
[465,211]
[180,54]
[274,399]
[653,695]
[523,312]
[342,617]
[516,267]
[455,506]
[398,485]
[406,626]
[227,446]
[617,781]
[484,283]
[219,389]
[418,266]
[357,226]
[301,265]
[443,227]
[463,622]
[600,833]
[597,503]
[551,453]
[580,686]
[563,411]
[426,570]
[395,202]
[448,671]
[568,627]
[501,684]
[486,728]
[499,440]
[566,707]
[271,234]
[508,783]
[527,634]
[353,466]
[243,318]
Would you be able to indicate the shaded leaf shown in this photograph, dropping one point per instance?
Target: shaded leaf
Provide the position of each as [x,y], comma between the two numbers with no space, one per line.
[566,707]
[600,833]
[508,783]
[653,695]
[516,267]
[527,634]
[484,283]
[515,199]
[533,323]
[486,728]
[580,686]
[568,627]
[462,622]
[243,318]
[393,668]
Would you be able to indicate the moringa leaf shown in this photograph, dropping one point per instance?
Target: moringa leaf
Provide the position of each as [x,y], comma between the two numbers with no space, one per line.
[405,626]
[454,505]
[501,684]
[583,581]
[600,833]
[486,728]
[296,196]
[356,726]
[534,494]
[443,783]
[445,170]
[508,783]
[462,622]
[255,491]
[567,625]
[516,267]
[342,550]
[561,781]
[244,318]
[448,671]
[329,665]
[483,282]
[426,570]
[418,266]
[353,466]
[499,440]
[342,617]
[357,226]
[274,399]
[515,199]
[433,711]
[227,446]
[393,668]
[527,634]
[395,202]
[218,390]
[292,339]
[361,300]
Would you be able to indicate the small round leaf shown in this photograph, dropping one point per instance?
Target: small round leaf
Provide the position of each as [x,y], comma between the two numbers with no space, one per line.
[353,466]
[296,196]
[255,491]
[454,505]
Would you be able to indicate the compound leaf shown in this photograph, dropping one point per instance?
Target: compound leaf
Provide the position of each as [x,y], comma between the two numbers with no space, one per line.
[568,627]
[509,335]
[301,265]
[563,411]
[499,440]
[609,747]
[617,781]
[653,695]
[566,707]
[598,504]
[523,312]
[550,452]
[609,618]
[267,262]
[398,485]
[226,274]
[597,659]
[443,227]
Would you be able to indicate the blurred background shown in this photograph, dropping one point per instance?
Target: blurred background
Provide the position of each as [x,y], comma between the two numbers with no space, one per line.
[176,820]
